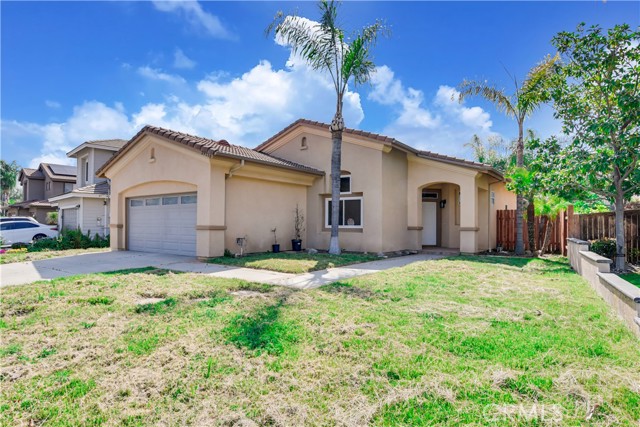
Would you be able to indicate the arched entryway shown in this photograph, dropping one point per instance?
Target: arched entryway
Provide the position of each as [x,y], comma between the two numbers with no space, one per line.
[440,215]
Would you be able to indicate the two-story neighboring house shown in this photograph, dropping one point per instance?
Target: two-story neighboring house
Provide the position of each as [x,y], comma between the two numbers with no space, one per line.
[86,205]
[38,185]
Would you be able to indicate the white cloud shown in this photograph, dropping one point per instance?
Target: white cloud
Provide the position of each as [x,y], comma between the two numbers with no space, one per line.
[442,125]
[156,74]
[244,109]
[52,104]
[91,120]
[195,16]
[180,60]
[474,117]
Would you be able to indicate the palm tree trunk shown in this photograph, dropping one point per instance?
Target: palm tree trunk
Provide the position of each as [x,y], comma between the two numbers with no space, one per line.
[519,198]
[531,223]
[548,225]
[337,126]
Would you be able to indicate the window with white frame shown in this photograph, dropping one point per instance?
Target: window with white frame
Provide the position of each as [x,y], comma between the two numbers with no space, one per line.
[351,213]
[345,184]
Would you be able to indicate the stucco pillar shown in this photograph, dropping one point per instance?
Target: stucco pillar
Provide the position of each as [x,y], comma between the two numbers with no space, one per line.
[468,216]
[210,217]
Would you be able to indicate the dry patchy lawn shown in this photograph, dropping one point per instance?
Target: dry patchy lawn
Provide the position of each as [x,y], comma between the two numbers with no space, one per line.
[464,341]
[11,257]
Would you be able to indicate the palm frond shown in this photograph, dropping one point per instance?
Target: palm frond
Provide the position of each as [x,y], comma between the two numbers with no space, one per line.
[497,97]
[535,88]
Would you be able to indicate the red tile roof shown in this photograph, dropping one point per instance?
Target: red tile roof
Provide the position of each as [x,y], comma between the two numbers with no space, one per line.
[383,139]
[210,148]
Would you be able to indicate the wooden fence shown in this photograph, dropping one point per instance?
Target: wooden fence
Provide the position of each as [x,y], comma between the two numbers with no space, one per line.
[506,232]
[567,224]
[602,225]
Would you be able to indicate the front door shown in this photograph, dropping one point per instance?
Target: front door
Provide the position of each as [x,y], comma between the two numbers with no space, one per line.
[430,223]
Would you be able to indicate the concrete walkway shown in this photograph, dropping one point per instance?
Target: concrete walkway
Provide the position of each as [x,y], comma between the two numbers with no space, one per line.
[28,272]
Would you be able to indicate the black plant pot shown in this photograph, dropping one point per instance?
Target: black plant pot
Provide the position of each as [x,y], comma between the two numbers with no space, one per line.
[296,245]
[275,248]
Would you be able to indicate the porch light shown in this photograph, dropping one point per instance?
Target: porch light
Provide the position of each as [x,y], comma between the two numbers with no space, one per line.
[443,203]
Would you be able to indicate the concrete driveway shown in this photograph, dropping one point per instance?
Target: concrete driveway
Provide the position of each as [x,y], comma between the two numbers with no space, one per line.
[27,272]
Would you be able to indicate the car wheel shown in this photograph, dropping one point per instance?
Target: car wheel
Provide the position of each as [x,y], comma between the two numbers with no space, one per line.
[39,236]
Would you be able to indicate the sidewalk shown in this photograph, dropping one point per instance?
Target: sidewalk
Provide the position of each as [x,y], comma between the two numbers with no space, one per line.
[29,272]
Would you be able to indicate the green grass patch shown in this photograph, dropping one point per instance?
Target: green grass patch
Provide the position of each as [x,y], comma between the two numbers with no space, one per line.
[100,300]
[633,278]
[263,331]
[481,341]
[288,262]
[156,308]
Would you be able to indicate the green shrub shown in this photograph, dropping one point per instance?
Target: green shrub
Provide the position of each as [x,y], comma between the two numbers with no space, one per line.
[70,239]
[604,247]
[52,218]
[19,245]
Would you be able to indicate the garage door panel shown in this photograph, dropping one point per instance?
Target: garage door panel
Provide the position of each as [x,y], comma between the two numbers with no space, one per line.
[165,227]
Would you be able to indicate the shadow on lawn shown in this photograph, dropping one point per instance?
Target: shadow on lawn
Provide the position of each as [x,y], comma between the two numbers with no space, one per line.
[144,270]
[348,289]
[264,330]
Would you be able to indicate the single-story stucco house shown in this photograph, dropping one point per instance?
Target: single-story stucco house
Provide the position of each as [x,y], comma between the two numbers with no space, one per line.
[176,193]
[86,205]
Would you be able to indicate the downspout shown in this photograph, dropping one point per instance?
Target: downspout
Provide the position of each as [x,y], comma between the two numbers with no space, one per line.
[107,204]
[235,168]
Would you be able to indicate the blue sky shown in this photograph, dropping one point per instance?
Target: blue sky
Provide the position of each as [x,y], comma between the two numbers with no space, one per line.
[76,71]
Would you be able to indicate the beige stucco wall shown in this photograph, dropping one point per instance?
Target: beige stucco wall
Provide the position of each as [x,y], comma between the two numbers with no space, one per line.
[395,235]
[254,207]
[363,160]
[250,202]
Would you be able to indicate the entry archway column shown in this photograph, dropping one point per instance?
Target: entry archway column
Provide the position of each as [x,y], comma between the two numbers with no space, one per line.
[468,216]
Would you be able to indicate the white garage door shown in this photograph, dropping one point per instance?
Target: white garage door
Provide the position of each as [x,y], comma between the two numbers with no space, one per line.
[70,218]
[165,224]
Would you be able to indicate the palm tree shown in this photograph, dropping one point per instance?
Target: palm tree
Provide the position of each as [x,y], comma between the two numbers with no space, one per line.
[324,46]
[526,99]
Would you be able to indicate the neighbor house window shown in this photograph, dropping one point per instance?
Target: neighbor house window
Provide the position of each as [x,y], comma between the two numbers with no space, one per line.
[303,143]
[345,183]
[350,212]
[48,186]
[68,186]
[86,171]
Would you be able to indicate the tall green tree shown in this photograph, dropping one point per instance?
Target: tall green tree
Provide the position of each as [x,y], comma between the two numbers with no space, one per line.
[499,154]
[326,47]
[8,178]
[597,97]
[520,105]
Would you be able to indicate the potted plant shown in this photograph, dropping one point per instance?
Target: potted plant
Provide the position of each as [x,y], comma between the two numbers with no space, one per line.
[275,248]
[298,229]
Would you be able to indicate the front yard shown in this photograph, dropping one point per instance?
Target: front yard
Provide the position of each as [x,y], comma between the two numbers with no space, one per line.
[21,256]
[465,341]
[290,262]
